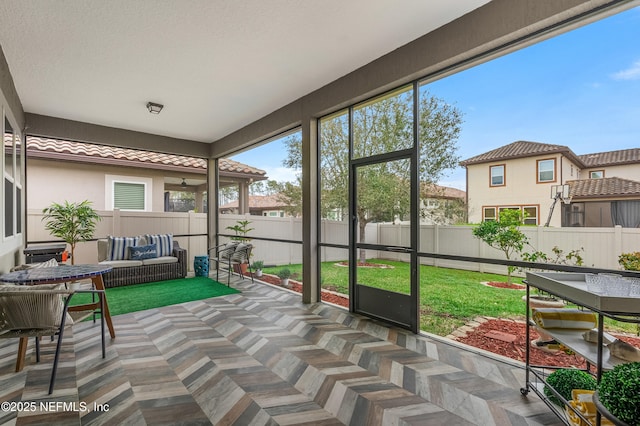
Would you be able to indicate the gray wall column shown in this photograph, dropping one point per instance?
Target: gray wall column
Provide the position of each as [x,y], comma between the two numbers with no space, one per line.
[212,202]
[243,197]
[310,212]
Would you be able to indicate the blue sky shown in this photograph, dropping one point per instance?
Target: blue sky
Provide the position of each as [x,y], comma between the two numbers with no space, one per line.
[580,89]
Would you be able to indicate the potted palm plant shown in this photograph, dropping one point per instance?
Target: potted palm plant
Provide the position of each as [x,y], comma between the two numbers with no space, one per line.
[241,228]
[72,222]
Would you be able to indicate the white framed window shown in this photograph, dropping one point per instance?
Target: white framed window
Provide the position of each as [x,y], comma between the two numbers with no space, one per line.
[530,215]
[10,205]
[489,214]
[128,193]
[547,170]
[497,175]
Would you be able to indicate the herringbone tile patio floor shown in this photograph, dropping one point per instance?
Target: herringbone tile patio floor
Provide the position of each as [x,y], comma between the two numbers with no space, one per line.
[261,357]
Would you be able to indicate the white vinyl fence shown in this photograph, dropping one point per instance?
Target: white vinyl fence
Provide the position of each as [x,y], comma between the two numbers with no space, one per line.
[600,246]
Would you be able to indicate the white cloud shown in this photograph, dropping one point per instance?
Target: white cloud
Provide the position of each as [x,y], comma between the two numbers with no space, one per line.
[631,73]
[456,183]
[280,174]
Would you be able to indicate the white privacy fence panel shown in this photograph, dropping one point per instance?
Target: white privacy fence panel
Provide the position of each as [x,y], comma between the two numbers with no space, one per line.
[600,247]
[124,223]
[271,252]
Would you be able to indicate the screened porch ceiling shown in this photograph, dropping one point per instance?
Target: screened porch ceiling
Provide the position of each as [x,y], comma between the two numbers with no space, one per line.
[216,66]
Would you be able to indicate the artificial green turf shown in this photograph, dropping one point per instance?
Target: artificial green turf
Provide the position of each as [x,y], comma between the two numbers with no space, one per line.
[138,297]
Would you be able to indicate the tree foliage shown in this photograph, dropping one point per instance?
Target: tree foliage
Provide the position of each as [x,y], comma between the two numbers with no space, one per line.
[381,126]
[504,235]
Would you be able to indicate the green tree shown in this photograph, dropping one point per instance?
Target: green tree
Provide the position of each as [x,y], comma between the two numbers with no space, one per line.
[504,235]
[73,222]
[290,194]
[261,187]
[383,125]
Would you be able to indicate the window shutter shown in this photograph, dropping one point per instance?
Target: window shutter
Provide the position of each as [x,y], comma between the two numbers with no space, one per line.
[128,196]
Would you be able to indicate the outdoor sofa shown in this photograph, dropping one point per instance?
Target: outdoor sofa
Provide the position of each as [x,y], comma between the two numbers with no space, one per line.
[141,259]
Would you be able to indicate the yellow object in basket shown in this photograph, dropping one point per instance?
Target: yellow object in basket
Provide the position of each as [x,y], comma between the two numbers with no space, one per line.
[573,319]
[574,419]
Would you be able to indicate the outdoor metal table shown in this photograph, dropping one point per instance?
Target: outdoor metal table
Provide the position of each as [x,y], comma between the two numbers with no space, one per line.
[61,274]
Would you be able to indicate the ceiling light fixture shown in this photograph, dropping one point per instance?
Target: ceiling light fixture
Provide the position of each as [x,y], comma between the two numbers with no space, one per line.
[154,108]
[184,183]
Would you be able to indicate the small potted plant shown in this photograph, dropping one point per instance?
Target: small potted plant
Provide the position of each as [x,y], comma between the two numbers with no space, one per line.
[618,394]
[257,266]
[284,275]
[564,380]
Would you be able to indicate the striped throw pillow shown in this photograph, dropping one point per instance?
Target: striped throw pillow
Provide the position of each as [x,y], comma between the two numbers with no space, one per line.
[163,242]
[118,247]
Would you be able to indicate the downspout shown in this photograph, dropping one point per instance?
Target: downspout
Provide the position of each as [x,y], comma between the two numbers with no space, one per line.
[466,195]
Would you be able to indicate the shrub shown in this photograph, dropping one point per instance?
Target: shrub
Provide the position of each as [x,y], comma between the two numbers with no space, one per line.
[258,264]
[504,235]
[283,273]
[565,380]
[630,261]
[619,392]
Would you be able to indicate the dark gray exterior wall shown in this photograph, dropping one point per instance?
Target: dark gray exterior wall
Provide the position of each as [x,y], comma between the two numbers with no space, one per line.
[8,90]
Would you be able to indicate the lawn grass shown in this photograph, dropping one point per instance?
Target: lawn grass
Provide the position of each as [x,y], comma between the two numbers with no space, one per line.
[138,297]
[449,298]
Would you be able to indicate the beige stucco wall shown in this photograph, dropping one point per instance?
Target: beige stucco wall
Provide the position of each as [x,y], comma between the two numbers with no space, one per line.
[57,181]
[626,171]
[521,187]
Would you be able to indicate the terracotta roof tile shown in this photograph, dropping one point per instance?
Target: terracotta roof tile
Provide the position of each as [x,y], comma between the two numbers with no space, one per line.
[438,191]
[81,149]
[606,187]
[519,149]
[258,202]
[611,158]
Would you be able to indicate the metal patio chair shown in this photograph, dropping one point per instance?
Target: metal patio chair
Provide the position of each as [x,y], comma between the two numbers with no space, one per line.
[230,255]
[41,310]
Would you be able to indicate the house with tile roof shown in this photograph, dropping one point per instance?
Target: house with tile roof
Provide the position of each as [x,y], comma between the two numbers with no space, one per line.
[129,179]
[603,187]
[259,205]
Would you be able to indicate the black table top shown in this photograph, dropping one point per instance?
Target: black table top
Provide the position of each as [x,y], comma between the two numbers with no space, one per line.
[45,248]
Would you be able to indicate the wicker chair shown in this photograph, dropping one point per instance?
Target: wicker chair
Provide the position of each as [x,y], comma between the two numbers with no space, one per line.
[230,255]
[36,311]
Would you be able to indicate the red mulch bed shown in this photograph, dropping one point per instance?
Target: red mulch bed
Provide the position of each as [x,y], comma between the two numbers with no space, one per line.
[512,286]
[297,287]
[514,350]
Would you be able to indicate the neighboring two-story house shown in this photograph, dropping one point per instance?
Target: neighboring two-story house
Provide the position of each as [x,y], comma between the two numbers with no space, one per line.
[604,187]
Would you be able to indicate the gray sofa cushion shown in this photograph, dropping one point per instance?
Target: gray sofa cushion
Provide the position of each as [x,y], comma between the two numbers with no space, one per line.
[158,260]
[121,263]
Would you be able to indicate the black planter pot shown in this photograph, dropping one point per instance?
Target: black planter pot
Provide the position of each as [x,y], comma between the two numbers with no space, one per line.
[605,413]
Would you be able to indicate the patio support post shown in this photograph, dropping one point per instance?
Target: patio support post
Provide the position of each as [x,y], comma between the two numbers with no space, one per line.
[212,202]
[310,212]
[243,197]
